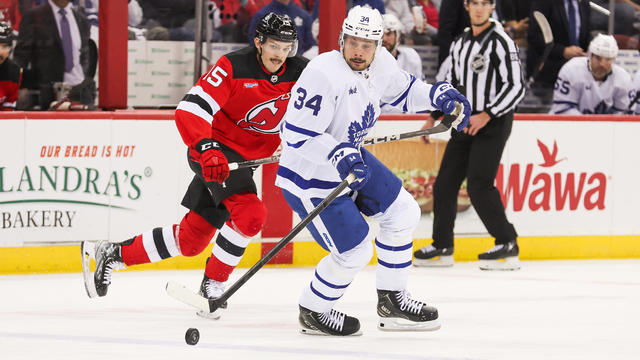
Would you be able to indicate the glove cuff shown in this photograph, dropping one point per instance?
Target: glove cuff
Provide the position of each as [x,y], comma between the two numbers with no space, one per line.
[340,152]
[437,90]
[207,144]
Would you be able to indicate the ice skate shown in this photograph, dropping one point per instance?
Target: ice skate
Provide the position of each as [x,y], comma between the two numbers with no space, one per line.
[398,312]
[108,258]
[211,289]
[501,257]
[429,256]
[330,323]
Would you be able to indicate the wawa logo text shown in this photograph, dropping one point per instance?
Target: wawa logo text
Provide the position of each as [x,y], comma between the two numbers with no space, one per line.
[541,188]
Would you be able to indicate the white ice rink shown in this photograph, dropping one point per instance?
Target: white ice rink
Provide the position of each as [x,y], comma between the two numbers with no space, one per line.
[548,310]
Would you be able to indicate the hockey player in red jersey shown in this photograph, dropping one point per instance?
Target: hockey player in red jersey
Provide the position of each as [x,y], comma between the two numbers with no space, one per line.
[10,72]
[232,114]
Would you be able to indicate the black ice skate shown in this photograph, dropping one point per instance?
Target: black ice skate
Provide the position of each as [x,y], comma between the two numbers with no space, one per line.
[211,289]
[431,257]
[398,312]
[108,258]
[501,257]
[329,323]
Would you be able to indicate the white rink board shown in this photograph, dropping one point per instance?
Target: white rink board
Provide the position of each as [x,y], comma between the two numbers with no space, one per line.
[120,196]
[105,196]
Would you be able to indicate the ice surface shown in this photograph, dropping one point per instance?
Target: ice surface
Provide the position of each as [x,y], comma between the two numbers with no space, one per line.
[548,310]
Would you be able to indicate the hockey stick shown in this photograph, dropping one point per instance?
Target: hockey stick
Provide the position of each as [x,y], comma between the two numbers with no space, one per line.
[547,35]
[599,8]
[183,294]
[447,121]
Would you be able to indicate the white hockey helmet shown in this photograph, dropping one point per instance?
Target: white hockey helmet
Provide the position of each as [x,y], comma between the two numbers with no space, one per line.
[604,45]
[391,23]
[363,22]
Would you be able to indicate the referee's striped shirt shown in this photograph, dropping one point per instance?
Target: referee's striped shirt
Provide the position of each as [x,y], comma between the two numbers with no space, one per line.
[486,69]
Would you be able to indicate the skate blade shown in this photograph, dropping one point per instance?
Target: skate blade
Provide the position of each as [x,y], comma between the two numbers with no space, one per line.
[399,324]
[506,264]
[88,251]
[320,333]
[209,315]
[438,261]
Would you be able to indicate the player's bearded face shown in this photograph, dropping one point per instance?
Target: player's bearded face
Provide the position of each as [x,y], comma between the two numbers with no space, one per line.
[479,11]
[389,39]
[5,49]
[600,66]
[359,52]
[274,53]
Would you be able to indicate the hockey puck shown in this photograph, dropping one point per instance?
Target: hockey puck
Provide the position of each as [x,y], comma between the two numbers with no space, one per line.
[192,336]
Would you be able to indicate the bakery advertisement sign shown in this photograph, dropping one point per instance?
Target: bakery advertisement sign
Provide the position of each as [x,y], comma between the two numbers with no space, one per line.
[74,180]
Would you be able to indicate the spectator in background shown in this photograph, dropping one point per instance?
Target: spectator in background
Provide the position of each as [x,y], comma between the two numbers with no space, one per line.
[169,19]
[315,31]
[570,37]
[400,9]
[593,84]
[431,22]
[514,15]
[300,17]
[53,47]
[624,17]
[374,4]
[10,13]
[10,72]
[453,20]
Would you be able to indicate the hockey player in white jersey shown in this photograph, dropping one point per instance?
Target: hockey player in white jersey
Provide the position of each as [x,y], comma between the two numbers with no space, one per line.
[634,105]
[408,59]
[333,105]
[593,84]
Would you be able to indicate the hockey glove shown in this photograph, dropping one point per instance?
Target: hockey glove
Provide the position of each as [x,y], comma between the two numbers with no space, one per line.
[213,162]
[444,96]
[347,159]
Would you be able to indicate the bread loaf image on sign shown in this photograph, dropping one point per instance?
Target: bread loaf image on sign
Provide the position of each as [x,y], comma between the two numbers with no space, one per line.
[417,165]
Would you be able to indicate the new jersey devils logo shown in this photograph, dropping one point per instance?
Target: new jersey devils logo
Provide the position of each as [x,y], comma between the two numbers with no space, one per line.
[266,117]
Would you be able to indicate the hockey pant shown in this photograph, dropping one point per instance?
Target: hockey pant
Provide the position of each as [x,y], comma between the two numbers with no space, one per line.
[342,230]
[193,234]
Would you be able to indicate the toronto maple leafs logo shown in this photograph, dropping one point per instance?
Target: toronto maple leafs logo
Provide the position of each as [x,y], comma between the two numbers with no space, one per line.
[601,108]
[358,130]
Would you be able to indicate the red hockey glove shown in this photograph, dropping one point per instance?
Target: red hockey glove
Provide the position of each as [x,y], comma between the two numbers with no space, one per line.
[213,162]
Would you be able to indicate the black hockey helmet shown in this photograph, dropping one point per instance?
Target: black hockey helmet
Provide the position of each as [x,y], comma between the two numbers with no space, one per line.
[6,33]
[277,27]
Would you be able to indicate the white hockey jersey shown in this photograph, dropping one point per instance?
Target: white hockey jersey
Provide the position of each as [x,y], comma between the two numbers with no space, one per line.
[577,92]
[635,108]
[332,104]
[409,61]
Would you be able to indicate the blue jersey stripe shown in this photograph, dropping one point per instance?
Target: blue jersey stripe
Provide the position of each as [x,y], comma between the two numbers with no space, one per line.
[406,92]
[300,130]
[303,183]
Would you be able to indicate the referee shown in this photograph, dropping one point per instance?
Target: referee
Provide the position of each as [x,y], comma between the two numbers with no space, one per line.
[483,64]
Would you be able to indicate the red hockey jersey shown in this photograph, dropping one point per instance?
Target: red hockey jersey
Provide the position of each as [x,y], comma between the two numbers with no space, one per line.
[239,104]
[10,78]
